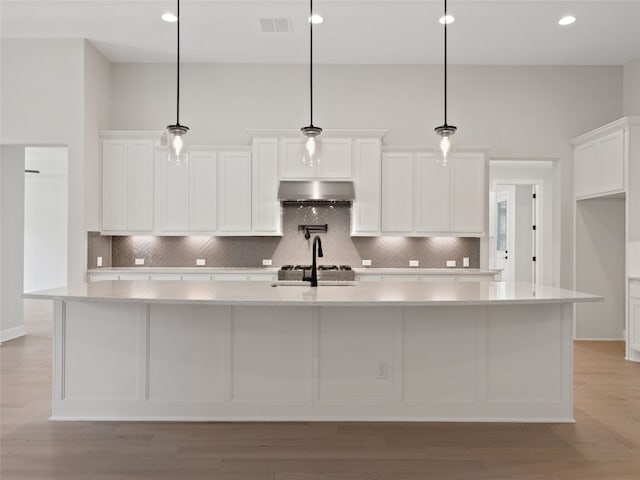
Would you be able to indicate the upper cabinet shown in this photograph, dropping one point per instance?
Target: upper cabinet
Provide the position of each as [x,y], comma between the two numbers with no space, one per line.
[421,197]
[186,195]
[600,161]
[335,159]
[234,192]
[127,184]
[367,175]
[266,211]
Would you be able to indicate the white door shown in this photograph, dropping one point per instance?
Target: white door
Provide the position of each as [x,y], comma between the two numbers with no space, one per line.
[505,233]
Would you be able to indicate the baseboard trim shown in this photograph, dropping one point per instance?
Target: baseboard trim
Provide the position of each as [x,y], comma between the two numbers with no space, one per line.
[598,339]
[11,333]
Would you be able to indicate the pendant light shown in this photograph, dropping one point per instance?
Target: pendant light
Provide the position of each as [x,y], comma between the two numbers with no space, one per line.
[176,133]
[444,143]
[311,150]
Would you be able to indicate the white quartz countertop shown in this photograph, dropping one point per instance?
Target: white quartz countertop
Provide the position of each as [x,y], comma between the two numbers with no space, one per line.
[359,294]
[179,270]
[249,270]
[424,271]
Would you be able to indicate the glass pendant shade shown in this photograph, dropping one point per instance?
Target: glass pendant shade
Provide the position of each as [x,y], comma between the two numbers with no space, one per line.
[176,133]
[311,146]
[177,144]
[445,145]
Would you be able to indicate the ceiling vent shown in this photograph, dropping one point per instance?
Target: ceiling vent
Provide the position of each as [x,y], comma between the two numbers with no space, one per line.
[275,25]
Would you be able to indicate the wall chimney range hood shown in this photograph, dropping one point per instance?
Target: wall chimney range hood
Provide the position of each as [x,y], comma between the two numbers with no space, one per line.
[316,191]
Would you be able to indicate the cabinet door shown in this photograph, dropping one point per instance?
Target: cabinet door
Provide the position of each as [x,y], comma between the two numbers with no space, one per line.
[291,166]
[203,190]
[586,169]
[266,211]
[397,192]
[234,185]
[432,194]
[365,212]
[469,195]
[335,158]
[172,203]
[114,184]
[611,163]
[139,185]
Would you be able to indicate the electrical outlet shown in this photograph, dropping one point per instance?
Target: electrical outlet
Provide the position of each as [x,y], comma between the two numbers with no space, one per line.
[451,263]
[414,263]
[366,263]
[99,261]
[465,262]
[267,262]
[139,261]
[383,371]
[201,262]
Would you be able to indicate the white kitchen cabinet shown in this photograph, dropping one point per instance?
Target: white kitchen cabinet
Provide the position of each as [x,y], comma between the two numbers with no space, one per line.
[432,198]
[234,193]
[397,192]
[203,191]
[599,162]
[633,326]
[366,208]
[186,194]
[266,218]
[335,159]
[422,198]
[469,195]
[127,184]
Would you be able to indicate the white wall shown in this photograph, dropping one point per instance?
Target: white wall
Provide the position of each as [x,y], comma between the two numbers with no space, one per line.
[45,218]
[632,88]
[43,96]
[516,111]
[600,269]
[11,241]
[97,116]
[57,92]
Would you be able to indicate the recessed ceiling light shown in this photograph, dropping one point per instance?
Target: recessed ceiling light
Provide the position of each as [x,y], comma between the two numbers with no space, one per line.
[169,17]
[316,18]
[447,19]
[568,20]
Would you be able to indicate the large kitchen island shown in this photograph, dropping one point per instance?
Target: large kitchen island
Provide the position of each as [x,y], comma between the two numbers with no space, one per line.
[224,351]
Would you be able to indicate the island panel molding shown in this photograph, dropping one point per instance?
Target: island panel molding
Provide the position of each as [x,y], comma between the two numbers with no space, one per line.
[208,351]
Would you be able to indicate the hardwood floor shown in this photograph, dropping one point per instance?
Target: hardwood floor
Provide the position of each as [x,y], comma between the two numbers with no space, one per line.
[603,444]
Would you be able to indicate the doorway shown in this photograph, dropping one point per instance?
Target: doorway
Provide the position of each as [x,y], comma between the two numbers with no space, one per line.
[45,218]
[520,220]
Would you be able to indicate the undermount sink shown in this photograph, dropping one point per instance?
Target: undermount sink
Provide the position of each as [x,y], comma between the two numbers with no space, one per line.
[321,283]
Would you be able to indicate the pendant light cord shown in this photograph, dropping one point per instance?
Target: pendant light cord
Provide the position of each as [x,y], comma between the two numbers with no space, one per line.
[310,63]
[445,62]
[178,72]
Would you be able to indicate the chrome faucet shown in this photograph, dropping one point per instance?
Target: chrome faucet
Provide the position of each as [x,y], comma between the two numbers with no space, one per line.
[314,265]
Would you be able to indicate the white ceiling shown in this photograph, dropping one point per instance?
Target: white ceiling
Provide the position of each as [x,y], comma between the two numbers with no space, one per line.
[497,32]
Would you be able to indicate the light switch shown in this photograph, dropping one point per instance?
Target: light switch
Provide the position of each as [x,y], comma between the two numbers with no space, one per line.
[414,263]
[267,262]
[201,262]
[139,261]
[366,263]
[451,263]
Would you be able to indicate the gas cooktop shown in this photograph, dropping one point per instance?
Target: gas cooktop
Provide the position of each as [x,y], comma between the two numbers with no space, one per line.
[325,272]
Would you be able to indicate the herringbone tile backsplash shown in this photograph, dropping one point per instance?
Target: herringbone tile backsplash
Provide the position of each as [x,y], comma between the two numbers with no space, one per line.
[292,247]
